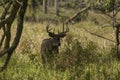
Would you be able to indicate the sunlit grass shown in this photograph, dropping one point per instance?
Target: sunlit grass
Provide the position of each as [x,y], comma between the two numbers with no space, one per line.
[83,56]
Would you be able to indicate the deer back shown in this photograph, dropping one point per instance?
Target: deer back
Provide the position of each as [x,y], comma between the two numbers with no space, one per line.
[49,46]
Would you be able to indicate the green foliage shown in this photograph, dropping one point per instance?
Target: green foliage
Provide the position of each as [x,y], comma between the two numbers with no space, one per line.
[4,1]
[69,4]
[82,56]
[105,5]
[74,63]
[78,59]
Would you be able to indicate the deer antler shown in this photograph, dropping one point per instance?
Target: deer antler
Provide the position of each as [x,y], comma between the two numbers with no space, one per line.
[51,34]
[47,28]
[67,29]
[63,33]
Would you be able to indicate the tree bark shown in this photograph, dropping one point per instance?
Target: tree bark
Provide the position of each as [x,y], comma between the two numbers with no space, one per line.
[57,7]
[20,19]
[45,6]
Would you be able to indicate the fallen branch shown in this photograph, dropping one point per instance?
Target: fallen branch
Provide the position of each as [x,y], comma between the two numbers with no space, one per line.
[75,15]
[98,35]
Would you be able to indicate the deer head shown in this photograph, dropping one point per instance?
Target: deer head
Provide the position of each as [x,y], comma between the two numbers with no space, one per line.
[56,37]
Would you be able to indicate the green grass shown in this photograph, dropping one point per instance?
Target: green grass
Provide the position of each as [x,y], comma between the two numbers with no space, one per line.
[82,56]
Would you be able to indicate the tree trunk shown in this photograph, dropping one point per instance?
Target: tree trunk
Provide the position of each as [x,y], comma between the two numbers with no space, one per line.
[50,3]
[57,7]
[45,6]
[10,48]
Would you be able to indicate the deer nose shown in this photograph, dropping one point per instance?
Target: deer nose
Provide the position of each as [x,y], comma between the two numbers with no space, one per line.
[58,44]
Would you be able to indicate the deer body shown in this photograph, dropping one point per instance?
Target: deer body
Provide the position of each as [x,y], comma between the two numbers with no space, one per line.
[48,49]
[50,46]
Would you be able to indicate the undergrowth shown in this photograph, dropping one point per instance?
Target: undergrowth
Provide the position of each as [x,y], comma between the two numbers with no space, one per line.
[74,62]
[82,56]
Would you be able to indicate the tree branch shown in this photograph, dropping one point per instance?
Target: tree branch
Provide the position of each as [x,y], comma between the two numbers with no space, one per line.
[5,10]
[75,15]
[5,2]
[3,36]
[98,35]
[15,43]
[12,15]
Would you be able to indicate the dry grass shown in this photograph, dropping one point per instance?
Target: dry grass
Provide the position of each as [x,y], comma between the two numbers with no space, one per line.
[34,33]
[83,56]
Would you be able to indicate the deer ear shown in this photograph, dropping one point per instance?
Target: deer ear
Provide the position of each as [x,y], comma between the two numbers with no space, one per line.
[62,35]
[51,34]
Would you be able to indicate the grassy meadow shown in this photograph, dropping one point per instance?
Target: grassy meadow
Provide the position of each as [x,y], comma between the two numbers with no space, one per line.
[82,56]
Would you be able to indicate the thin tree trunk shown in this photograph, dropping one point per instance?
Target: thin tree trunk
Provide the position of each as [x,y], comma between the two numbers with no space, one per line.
[9,49]
[57,7]
[45,6]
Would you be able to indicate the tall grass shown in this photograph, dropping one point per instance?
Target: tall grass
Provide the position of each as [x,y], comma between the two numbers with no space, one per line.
[82,56]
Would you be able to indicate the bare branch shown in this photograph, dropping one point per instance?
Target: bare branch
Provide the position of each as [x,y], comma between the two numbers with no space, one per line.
[2,4]
[118,9]
[74,16]
[12,15]
[17,2]
[3,52]
[15,43]
[3,36]
[98,35]
[5,11]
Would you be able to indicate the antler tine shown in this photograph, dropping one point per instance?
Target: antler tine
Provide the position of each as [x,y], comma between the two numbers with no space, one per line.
[51,34]
[54,30]
[63,26]
[47,29]
[64,31]
[67,29]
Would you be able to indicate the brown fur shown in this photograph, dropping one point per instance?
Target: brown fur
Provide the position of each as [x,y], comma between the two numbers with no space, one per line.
[49,48]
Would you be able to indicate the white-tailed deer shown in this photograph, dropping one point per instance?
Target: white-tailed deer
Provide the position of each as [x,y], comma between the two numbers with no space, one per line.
[50,46]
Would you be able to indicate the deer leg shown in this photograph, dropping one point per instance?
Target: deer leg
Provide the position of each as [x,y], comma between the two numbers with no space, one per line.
[44,58]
